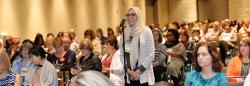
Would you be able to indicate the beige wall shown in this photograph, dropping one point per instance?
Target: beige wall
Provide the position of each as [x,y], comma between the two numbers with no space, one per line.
[212,9]
[182,10]
[239,9]
[150,12]
[28,17]
[162,11]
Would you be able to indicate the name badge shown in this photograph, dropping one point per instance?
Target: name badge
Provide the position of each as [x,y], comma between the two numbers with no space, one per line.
[127,47]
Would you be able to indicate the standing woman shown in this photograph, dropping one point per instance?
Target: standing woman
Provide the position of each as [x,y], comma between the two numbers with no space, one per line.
[42,73]
[7,77]
[239,65]
[207,67]
[139,43]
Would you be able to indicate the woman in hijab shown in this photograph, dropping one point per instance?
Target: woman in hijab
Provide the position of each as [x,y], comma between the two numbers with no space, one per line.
[139,45]
[175,51]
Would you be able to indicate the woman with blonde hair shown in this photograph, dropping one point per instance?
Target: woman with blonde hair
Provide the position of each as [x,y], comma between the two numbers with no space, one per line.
[7,77]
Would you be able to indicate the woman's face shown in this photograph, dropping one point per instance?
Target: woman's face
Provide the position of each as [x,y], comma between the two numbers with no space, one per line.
[244,48]
[59,48]
[2,68]
[25,52]
[156,36]
[85,52]
[170,36]
[36,59]
[203,57]
[108,47]
[183,38]
[131,17]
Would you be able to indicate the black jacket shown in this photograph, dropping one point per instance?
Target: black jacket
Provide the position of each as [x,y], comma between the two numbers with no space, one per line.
[91,63]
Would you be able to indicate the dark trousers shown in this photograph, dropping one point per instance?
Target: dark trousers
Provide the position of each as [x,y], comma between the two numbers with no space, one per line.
[136,83]
[159,72]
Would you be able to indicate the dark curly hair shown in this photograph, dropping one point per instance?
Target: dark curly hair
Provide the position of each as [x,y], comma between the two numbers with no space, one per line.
[112,41]
[38,51]
[214,51]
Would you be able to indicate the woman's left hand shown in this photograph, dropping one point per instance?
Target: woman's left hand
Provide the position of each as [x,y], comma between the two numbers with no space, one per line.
[134,74]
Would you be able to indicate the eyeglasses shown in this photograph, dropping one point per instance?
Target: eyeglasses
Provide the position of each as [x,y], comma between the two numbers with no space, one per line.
[84,49]
[243,46]
[131,14]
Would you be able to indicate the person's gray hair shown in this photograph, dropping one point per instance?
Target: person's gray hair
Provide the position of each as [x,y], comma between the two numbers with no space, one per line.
[93,78]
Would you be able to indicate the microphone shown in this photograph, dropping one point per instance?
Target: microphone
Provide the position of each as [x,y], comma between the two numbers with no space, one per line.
[122,21]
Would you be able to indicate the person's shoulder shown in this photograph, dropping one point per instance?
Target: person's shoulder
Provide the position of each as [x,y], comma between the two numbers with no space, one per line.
[191,76]
[95,57]
[192,73]
[117,52]
[147,29]
[222,74]
[235,58]
[222,79]
[49,65]
[19,59]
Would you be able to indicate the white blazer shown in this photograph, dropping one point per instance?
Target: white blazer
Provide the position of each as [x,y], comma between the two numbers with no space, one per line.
[146,56]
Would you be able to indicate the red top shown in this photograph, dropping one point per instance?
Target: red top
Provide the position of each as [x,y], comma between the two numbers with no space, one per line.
[106,65]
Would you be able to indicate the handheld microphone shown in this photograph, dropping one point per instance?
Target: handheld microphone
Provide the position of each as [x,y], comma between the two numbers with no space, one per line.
[122,22]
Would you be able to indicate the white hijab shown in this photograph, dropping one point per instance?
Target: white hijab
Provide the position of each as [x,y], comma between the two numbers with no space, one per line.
[134,32]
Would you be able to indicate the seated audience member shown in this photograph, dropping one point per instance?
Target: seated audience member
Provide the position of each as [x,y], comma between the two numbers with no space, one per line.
[42,72]
[75,42]
[111,46]
[100,36]
[110,32]
[63,60]
[7,77]
[13,49]
[23,60]
[66,44]
[239,65]
[22,64]
[39,41]
[228,38]
[112,63]
[48,44]
[117,70]
[91,78]
[90,34]
[175,51]
[207,67]
[1,44]
[159,64]
[88,61]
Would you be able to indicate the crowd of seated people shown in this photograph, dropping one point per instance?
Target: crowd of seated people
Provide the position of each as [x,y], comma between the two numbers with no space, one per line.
[218,52]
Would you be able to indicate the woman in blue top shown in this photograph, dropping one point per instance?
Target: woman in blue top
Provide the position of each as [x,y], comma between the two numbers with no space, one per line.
[22,61]
[7,77]
[207,67]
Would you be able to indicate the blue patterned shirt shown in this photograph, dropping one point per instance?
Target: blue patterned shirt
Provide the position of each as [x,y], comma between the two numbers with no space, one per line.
[9,80]
[194,78]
